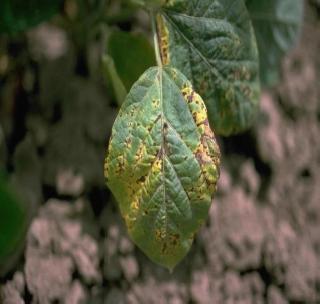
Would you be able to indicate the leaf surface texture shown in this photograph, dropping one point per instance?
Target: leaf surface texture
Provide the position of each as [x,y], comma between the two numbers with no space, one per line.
[163,164]
[212,43]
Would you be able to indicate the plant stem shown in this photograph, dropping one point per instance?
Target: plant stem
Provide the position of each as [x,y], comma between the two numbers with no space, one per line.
[155,39]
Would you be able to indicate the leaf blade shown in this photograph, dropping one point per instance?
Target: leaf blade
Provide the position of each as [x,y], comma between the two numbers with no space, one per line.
[162,164]
[277,25]
[213,44]
[110,73]
[13,223]
[132,55]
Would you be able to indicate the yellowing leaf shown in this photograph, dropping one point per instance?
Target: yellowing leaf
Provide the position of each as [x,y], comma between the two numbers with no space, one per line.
[163,164]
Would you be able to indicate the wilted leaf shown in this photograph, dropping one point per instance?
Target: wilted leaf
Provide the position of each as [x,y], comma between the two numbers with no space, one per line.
[132,55]
[277,24]
[212,42]
[162,164]
[18,15]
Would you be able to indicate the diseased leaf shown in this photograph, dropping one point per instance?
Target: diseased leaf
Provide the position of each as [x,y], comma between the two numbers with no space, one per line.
[277,24]
[18,15]
[163,164]
[132,55]
[212,42]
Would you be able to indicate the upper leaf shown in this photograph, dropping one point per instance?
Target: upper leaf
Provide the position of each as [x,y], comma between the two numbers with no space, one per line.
[18,15]
[212,42]
[162,164]
[277,24]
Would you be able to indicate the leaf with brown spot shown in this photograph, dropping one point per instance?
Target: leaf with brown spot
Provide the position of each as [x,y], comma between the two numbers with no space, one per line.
[212,43]
[163,189]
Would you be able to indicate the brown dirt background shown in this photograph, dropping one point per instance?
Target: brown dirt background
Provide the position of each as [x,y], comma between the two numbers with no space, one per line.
[261,243]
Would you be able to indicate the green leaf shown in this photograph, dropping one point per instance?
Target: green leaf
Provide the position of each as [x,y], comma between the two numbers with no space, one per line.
[13,223]
[212,42]
[18,15]
[132,55]
[277,24]
[163,164]
[110,73]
